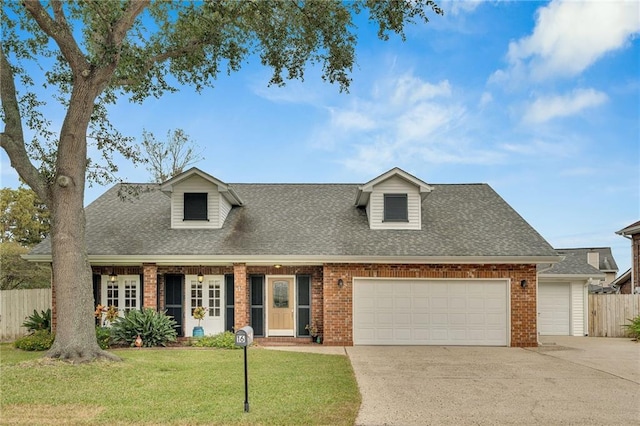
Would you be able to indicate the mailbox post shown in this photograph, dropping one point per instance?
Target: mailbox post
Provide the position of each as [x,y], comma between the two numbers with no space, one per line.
[244,338]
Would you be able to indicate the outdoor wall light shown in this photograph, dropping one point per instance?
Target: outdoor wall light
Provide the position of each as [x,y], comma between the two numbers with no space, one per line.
[340,283]
[200,277]
[113,276]
[523,283]
[277,266]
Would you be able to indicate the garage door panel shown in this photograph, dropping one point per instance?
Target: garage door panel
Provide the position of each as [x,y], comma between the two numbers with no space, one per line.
[420,303]
[439,312]
[478,319]
[439,319]
[402,302]
[439,302]
[458,303]
[476,304]
[384,318]
[402,319]
[421,318]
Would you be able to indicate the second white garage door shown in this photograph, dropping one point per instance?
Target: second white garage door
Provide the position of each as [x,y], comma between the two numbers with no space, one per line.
[554,304]
[430,312]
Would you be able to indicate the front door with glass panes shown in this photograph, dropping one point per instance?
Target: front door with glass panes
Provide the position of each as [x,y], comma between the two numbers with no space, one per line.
[210,294]
[280,306]
[123,293]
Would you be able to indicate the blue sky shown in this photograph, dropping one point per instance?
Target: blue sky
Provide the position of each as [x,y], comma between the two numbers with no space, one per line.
[541,100]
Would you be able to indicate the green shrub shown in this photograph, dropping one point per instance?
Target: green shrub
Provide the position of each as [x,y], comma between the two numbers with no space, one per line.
[38,321]
[633,329]
[103,336]
[155,328]
[225,340]
[40,340]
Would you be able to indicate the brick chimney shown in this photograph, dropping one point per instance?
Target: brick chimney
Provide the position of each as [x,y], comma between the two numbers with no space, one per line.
[593,259]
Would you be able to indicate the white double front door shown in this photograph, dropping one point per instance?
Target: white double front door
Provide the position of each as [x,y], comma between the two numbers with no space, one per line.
[210,294]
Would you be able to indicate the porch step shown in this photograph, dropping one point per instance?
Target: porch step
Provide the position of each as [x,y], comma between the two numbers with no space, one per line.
[283,341]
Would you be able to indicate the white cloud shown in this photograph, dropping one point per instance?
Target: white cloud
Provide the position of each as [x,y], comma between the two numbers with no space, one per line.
[486,99]
[569,36]
[351,120]
[410,89]
[547,108]
[404,119]
[581,172]
[542,148]
[462,6]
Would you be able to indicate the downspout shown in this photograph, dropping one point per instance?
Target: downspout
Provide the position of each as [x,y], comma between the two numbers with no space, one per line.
[587,309]
[537,298]
[633,264]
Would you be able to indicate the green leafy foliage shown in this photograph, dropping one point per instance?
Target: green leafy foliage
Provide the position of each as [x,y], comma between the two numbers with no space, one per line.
[24,218]
[103,336]
[17,273]
[225,340]
[633,329]
[154,328]
[41,340]
[38,321]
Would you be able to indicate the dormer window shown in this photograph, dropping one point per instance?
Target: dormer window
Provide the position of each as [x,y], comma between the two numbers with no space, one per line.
[395,208]
[195,206]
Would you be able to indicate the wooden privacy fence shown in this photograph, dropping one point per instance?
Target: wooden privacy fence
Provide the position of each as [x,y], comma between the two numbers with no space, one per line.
[608,312]
[16,305]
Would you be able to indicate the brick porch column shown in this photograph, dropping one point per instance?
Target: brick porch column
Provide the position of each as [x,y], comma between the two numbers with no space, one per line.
[240,296]
[150,277]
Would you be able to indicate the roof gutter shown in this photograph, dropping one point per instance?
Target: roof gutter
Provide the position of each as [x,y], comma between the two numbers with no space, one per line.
[258,260]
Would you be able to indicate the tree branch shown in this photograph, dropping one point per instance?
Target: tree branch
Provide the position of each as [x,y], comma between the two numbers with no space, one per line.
[12,137]
[59,31]
[122,26]
[161,57]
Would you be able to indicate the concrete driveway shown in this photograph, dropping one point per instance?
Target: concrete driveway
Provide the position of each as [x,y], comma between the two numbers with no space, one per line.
[577,380]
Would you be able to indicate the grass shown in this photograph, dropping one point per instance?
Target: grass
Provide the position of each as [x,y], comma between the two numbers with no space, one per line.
[179,387]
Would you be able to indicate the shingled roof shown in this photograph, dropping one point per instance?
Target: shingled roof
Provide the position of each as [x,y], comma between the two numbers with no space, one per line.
[313,221]
[574,262]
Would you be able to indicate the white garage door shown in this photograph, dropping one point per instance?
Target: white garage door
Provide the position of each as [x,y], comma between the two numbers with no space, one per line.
[554,309]
[430,312]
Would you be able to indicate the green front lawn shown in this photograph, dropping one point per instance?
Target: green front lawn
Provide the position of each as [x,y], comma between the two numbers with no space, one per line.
[179,386]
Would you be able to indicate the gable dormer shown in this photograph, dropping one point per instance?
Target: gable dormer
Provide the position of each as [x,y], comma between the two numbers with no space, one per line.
[393,200]
[199,200]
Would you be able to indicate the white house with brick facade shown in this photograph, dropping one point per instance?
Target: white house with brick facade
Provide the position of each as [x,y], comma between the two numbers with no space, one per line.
[394,261]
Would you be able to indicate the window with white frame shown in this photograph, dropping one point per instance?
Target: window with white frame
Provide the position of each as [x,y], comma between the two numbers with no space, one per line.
[214,298]
[123,293]
[196,295]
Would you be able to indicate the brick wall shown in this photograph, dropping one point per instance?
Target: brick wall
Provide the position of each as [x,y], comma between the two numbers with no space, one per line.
[150,282]
[241,296]
[338,301]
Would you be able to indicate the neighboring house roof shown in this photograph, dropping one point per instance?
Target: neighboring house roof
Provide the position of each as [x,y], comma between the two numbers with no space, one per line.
[599,289]
[606,262]
[311,222]
[623,279]
[632,229]
[574,263]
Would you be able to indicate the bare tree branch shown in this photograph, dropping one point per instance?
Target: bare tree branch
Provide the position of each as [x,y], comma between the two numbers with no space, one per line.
[58,30]
[12,137]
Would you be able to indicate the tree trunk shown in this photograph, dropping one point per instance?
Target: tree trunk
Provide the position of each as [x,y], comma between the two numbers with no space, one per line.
[75,339]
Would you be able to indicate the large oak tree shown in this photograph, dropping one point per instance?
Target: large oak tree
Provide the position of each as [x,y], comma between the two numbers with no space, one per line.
[94,53]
